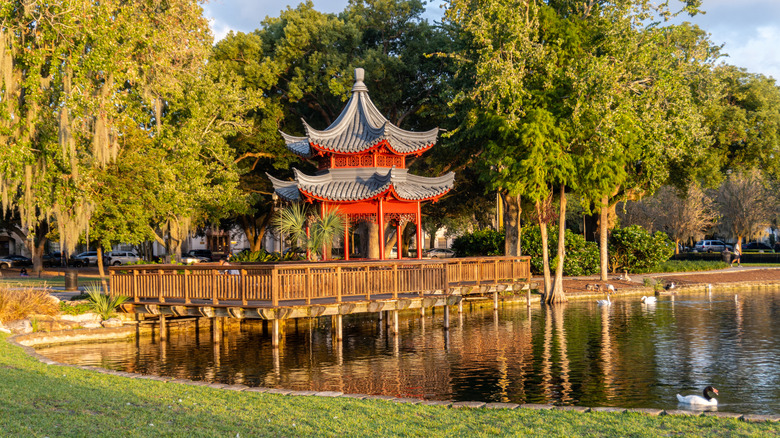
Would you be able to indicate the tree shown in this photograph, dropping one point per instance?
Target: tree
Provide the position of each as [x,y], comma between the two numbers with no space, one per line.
[567,108]
[302,63]
[306,227]
[745,205]
[684,217]
[80,81]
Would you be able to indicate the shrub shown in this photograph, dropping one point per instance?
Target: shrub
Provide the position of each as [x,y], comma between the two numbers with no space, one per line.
[486,242]
[21,303]
[263,256]
[633,249]
[104,305]
[582,257]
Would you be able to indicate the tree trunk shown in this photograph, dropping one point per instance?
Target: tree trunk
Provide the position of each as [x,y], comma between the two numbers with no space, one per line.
[603,229]
[512,228]
[102,271]
[545,253]
[372,240]
[254,228]
[558,295]
[676,246]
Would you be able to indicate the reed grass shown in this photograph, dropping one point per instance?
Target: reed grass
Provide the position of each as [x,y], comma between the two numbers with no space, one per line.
[20,303]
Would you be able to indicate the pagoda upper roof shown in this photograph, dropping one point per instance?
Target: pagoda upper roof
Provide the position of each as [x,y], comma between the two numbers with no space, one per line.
[359,184]
[359,128]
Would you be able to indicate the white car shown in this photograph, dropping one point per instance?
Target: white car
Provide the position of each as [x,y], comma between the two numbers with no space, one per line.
[439,253]
[116,258]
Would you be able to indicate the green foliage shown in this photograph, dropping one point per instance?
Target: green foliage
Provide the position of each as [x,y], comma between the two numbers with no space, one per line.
[297,218]
[685,266]
[582,257]
[264,256]
[75,308]
[633,249]
[104,305]
[484,242]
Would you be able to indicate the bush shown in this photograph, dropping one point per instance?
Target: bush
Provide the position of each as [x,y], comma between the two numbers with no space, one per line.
[104,305]
[263,256]
[486,242]
[21,303]
[582,257]
[633,249]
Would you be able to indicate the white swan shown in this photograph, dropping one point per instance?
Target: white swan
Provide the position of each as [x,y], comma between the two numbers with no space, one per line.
[707,400]
[611,288]
[709,288]
[648,300]
[606,302]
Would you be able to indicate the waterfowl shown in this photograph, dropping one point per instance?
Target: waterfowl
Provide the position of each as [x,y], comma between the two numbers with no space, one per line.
[648,300]
[707,400]
[611,288]
[709,288]
[606,302]
[670,286]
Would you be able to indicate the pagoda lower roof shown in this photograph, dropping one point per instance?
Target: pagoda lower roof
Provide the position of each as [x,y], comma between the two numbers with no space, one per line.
[361,184]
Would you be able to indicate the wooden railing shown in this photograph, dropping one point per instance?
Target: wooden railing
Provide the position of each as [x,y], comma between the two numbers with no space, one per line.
[278,282]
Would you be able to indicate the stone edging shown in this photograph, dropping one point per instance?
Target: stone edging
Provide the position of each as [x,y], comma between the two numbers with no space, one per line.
[752,418]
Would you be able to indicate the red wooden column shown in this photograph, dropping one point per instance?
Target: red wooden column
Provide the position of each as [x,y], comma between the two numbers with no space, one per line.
[346,237]
[324,245]
[398,237]
[419,231]
[381,223]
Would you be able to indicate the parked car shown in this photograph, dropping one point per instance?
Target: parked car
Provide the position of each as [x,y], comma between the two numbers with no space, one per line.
[202,253]
[439,253]
[711,246]
[757,247]
[13,260]
[192,257]
[52,259]
[116,258]
[20,260]
[84,259]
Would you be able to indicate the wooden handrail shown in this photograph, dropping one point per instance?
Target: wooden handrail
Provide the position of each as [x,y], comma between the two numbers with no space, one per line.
[306,281]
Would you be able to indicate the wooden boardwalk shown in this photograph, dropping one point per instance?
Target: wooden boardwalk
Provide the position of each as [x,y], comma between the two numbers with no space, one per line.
[288,290]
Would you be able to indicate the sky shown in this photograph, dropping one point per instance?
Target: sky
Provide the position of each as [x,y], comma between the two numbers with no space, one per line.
[748,29]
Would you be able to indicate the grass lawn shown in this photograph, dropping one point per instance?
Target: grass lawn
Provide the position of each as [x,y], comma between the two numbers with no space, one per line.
[49,277]
[51,400]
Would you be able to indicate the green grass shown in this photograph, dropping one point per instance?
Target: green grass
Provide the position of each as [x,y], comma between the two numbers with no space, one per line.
[51,400]
[688,266]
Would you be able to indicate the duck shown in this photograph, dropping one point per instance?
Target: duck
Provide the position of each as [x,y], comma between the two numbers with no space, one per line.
[611,288]
[606,302]
[649,300]
[707,400]
[670,286]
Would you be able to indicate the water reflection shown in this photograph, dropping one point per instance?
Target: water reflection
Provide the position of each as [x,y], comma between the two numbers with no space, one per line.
[629,354]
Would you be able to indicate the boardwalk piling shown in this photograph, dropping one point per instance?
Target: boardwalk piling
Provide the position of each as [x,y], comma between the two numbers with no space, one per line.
[275,333]
[395,322]
[446,317]
[163,328]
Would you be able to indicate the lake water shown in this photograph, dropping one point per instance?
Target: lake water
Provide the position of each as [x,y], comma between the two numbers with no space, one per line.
[628,355]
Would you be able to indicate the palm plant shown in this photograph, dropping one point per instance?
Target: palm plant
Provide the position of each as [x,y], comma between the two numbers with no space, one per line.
[294,221]
[102,304]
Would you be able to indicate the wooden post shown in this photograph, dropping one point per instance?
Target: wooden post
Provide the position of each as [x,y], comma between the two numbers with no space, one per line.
[460,306]
[495,271]
[339,283]
[214,298]
[243,286]
[446,317]
[365,285]
[111,287]
[528,296]
[422,310]
[346,237]
[186,286]
[309,286]
[275,333]
[398,239]
[395,281]
[135,286]
[216,330]
[160,285]
[495,300]
[395,322]
[275,286]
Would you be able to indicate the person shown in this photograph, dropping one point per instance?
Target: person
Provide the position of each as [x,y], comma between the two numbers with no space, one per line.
[736,258]
[23,272]
[224,262]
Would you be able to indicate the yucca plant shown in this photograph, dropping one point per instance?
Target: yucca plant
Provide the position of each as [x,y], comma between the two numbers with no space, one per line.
[102,304]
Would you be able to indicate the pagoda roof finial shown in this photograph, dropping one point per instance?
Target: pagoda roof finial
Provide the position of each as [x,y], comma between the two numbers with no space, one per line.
[359,76]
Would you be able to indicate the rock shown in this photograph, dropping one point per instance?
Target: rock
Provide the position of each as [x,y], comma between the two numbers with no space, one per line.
[113,322]
[83,318]
[55,300]
[4,329]
[21,326]
[90,325]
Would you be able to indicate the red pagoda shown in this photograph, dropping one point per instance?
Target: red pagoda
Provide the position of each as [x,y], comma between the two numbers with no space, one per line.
[362,172]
